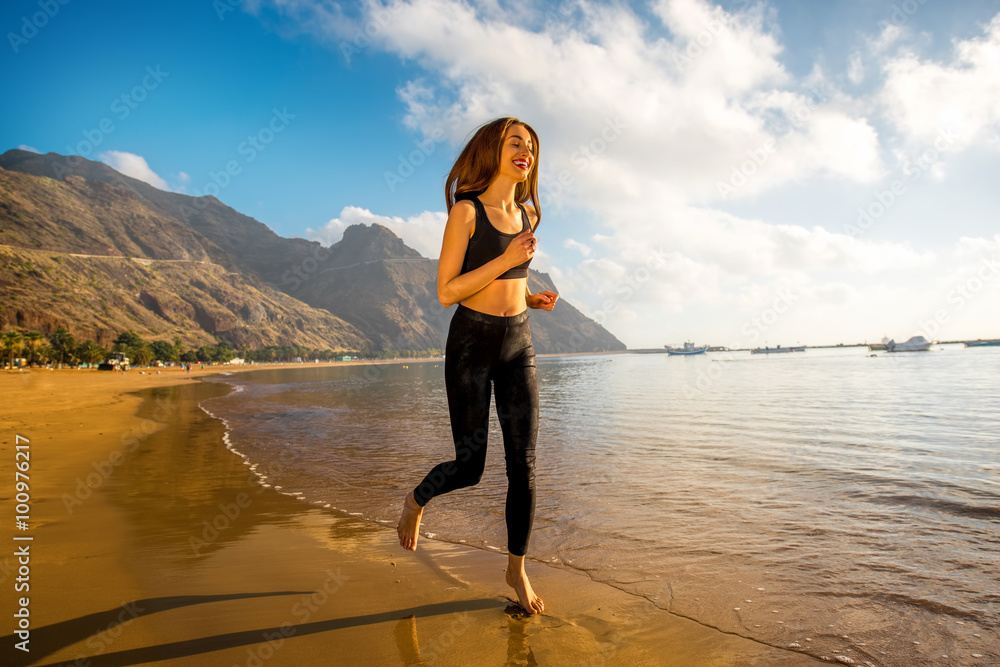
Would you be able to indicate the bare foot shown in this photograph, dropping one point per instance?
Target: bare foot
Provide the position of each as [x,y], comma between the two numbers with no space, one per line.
[408,527]
[518,580]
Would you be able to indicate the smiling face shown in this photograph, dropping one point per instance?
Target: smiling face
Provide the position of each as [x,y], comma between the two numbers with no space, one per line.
[503,148]
[517,155]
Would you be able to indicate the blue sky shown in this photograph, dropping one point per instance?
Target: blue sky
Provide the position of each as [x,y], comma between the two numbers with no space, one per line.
[705,167]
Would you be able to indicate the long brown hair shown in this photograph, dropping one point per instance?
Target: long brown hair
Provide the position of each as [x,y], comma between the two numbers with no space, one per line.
[479,163]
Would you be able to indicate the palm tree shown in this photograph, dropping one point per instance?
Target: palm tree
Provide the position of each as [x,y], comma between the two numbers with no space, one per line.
[45,353]
[63,343]
[142,354]
[127,340]
[89,352]
[31,341]
[11,345]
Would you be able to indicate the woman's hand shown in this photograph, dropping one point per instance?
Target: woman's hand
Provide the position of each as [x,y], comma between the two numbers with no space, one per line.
[542,300]
[521,248]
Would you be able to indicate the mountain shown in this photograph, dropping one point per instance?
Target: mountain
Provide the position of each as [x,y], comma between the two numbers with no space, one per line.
[88,256]
[100,252]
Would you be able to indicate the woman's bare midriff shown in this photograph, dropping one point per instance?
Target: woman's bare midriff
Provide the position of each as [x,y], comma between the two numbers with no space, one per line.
[501,297]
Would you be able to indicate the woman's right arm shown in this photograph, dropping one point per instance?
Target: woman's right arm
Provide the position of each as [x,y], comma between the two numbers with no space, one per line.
[452,287]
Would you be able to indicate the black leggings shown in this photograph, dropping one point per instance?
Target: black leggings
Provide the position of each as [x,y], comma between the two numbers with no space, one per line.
[483,348]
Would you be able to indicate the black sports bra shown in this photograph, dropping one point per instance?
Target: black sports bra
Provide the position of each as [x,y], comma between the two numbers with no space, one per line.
[488,243]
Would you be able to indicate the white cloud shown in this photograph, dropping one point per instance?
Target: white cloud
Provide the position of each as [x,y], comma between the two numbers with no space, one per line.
[25,147]
[619,106]
[756,248]
[923,98]
[133,165]
[326,19]
[422,232]
[670,272]
[891,34]
[972,247]
[856,68]
[582,248]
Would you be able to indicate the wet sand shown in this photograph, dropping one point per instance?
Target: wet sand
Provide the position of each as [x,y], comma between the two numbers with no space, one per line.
[153,544]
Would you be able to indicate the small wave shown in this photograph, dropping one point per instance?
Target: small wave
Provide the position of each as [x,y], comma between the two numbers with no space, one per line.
[956,508]
[226,436]
[909,600]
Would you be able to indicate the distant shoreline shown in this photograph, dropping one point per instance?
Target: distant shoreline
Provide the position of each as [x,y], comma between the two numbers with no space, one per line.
[837,346]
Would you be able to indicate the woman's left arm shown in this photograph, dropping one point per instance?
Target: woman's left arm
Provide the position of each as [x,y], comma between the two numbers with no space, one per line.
[542,300]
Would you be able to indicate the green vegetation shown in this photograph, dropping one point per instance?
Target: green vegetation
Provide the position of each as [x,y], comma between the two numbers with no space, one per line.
[89,352]
[62,348]
[63,344]
[11,342]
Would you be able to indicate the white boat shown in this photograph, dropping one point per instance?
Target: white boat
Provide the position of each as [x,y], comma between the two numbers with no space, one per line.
[689,348]
[777,350]
[915,344]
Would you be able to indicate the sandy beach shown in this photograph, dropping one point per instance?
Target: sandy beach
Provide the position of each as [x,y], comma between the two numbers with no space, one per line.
[154,544]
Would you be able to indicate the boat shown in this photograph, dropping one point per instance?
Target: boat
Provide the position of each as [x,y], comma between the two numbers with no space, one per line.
[777,350]
[981,342]
[688,349]
[875,347]
[915,344]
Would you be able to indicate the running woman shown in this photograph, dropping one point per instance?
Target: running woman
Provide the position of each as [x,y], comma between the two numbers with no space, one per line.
[488,244]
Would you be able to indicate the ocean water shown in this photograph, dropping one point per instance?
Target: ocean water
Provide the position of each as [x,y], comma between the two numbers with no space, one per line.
[828,502]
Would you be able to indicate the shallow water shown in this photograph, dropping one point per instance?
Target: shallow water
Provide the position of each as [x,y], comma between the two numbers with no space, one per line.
[828,502]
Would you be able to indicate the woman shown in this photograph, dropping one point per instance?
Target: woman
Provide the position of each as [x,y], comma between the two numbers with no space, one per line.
[488,243]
